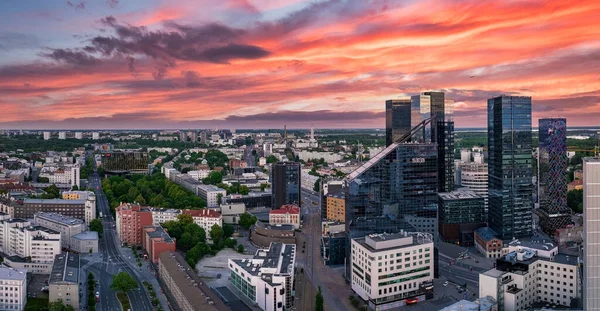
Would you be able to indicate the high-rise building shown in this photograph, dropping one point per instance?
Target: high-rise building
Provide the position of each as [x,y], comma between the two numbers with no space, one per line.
[62,135]
[397,119]
[285,184]
[460,213]
[591,233]
[182,136]
[193,136]
[510,166]
[95,135]
[552,175]
[434,104]
[47,135]
[475,177]
[78,135]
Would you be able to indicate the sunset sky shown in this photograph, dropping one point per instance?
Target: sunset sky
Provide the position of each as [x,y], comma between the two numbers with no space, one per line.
[265,63]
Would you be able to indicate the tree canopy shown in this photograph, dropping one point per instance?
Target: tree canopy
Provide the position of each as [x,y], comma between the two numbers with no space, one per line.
[96,225]
[247,220]
[123,282]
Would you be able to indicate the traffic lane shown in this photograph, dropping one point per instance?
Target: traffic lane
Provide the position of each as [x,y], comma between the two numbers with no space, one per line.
[108,299]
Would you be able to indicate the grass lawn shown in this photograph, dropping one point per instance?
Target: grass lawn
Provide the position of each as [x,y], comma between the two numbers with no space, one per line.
[124,300]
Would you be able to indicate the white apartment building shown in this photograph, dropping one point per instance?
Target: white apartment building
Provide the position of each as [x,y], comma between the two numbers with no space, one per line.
[62,135]
[475,177]
[307,181]
[205,218]
[162,215]
[95,135]
[268,277]
[13,289]
[392,269]
[329,157]
[67,226]
[68,174]
[199,174]
[591,233]
[523,277]
[85,242]
[210,194]
[78,135]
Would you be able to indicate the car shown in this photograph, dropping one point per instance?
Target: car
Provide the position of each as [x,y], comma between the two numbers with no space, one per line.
[445,284]
[219,276]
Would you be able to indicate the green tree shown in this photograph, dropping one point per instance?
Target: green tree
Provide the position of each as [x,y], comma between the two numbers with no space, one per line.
[247,220]
[52,192]
[244,190]
[230,243]
[228,230]
[140,199]
[196,253]
[319,302]
[219,198]
[216,233]
[157,200]
[214,177]
[271,159]
[263,187]
[575,200]
[185,219]
[74,187]
[96,225]
[240,249]
[123,282]
[317,186]
[59,306]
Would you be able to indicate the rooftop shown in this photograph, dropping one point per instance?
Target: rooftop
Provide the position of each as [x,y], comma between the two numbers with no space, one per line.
[487,233]
[86,235]
[65,220]
[278,259]
[13,274]
[287,209]
[459,195]
[385,241]
[261,224]
[158,232]
[65,269]
[541,244]
[210,188]
[53,201]
[204,212]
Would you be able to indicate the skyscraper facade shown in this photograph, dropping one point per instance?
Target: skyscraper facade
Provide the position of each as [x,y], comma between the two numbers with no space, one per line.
[427,105]
[285,184]
[510,166]
[397,119]
[552,176]
[591,233]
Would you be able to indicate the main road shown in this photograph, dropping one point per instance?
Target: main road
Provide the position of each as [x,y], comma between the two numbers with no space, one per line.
[113,261]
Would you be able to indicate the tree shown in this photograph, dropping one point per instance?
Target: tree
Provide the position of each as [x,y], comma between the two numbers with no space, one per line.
[263,187]
[214,177]
[140,199]
[185,219]
[271,159]
[216,233]
[240,249]
[75,187]
[244,190]
[228,230]
[247,220]
[123,282]
[575,200]
[96,225]
[317,186]
[59,306]
[219,198]
[230,243]
[319,302]
[52,192]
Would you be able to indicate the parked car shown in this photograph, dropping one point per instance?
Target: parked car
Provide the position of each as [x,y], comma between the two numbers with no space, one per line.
[445,283]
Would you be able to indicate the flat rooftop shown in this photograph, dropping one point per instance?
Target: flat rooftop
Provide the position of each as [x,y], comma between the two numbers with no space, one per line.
[13,274]
[58,218]
[53,201]
[539,244]
[459,195]
[385,241]
[278,256]
[65,269]
[86,235]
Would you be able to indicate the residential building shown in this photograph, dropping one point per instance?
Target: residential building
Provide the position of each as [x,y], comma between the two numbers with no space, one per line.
[62,135]
[285,184]
[230,212]
[335,206]
[286,215]
[78,135]
[125,162]
[64,280]
[95,135]
[211,194]
[486,303]
[267,278]
[576,184]
[89,206]
[157,241]
[79,209]
[199,174]
[162,215]
[66,174]
[130,222]
[591,233]
[521,278]
[14,283]
[85,242]
[307,181]
[460,213]
[488,243]
[392,270]
[510,166]
[552,175]
[67,226]
[184,288]
[47,135]
[475,177]
[397,119]
[205,218]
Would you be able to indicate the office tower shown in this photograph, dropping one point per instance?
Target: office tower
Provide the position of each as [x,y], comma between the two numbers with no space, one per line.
[475,177]
[552,175]
[591,233]
[510,165]
[397,119]
[460,213]
[434,104]
[285,184]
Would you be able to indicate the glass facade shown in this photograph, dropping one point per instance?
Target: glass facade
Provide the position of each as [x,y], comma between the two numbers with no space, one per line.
[285,184]
[510,166]
[244,286]
[552,177]
[397,119]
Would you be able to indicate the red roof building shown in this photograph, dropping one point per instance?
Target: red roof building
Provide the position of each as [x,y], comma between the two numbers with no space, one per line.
[205,218]
[286,215]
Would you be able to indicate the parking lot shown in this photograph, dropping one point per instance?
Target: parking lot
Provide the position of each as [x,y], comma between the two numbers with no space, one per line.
[209,268]
[35,282]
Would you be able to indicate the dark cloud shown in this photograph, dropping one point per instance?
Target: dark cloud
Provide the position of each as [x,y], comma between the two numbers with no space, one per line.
[71,57]
[565,103]
[231,51]
[130,63]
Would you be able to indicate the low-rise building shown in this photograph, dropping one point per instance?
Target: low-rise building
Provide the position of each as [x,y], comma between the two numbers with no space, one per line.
[130,222]
[210,194]
[85,242]
[486,303]
[230,212]
[14,288]
[263,235]
[199,174]
[488,243]
[392,270]
[205,218]
[521,278]
[251,200]
[64,280]
[157,241]
[267,278]
[80,209]
[162,215]
[288,214]
[576,184]
[183,287]
[67,226]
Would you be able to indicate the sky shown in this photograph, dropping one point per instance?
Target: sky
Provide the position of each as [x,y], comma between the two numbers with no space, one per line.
[144,64]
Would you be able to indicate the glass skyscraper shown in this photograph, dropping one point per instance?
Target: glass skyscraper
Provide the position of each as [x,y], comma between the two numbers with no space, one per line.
[552,175]
[285,184]
[397,119]
[510,166]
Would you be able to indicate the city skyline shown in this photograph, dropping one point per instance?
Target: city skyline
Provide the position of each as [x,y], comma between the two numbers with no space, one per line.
[263,64]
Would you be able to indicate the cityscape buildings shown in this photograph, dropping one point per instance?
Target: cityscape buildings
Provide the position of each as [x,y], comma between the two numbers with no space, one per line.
[64,280]
[475,177]
[14,282]
[285,184]
[125,162]
[286,215]
[397,119]
[67,226]
[130,222]
[510,166]
[591,233]
[460,213]
[552,175]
